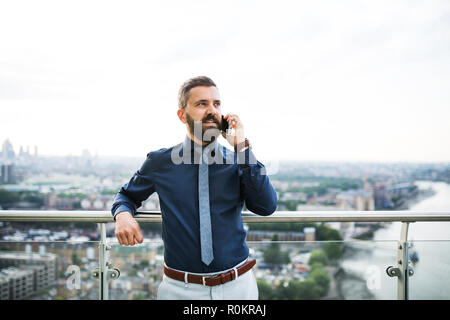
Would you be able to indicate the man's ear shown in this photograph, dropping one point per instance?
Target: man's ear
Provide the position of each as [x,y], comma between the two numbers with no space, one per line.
[181,115]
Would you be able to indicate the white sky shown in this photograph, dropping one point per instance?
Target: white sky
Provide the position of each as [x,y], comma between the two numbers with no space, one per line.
[311,80]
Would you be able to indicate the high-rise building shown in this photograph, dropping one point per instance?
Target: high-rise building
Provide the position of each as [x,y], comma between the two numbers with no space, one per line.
[8,155]
[4,287]
[6,173]
[20,282]
[27,273]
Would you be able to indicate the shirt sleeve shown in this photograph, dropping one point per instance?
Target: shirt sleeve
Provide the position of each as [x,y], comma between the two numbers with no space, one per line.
[256,189]
[138,189]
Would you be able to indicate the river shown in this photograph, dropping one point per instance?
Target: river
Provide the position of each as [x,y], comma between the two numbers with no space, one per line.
[365,266]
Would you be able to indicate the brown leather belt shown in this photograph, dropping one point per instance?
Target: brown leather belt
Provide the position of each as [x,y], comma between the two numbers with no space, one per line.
[209,281]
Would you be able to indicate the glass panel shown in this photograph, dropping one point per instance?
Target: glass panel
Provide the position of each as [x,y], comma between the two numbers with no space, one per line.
[297,270]
[365,264]
[50,270]
[285,269]
[431,264]
[141,268]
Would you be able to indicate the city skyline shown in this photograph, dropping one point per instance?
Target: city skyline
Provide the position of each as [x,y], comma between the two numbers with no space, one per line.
[32,151]
[311,81]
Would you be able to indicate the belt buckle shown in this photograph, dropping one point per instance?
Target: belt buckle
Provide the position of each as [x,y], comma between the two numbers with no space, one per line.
[204,281]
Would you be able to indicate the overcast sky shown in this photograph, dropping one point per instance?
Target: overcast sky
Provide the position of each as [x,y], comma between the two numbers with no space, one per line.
[311,80]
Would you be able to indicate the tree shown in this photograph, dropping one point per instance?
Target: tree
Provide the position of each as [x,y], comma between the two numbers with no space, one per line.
[139,296]
[75,259]
[144,264]
[318,256]
[265,290]
[274,255]
[8,198]
[76,204]
[322,278]
[316,265]
[333,250]
[300,290]
[325,233]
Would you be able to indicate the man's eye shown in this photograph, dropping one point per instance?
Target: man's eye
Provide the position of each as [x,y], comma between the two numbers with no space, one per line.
[217,104]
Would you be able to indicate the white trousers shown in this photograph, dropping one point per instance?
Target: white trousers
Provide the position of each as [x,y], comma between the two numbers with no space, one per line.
[242,288]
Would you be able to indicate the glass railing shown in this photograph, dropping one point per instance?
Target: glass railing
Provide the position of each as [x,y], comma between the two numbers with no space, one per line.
[82,269]
[294,270]
[50,270]
[333,270]
[140,270]
[430,260]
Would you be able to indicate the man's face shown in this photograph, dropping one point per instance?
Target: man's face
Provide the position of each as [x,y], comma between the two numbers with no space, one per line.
[203,107]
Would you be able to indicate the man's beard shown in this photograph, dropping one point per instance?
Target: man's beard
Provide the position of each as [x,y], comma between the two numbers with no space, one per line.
[203,134]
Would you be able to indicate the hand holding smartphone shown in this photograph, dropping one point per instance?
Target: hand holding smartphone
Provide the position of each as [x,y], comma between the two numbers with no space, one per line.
[224,124]
[226,127]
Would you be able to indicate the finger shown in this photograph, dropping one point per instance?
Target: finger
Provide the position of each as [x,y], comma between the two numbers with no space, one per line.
[139,236]
[129,238]
[228,117]
[233,119]
[137,233]
[137,240]
[120,238]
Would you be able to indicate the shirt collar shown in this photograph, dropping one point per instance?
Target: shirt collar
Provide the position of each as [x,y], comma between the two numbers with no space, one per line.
[190,145]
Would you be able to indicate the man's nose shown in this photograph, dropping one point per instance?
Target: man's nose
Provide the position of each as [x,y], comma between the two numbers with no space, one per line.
[212,109]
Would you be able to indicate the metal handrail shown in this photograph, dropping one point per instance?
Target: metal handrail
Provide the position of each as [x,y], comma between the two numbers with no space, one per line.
[279,216]
[403,270]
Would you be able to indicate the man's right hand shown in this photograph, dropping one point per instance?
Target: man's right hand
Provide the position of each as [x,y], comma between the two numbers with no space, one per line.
[128,231]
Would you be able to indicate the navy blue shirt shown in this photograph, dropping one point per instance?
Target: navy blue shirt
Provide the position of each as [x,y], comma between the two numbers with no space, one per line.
[173,174]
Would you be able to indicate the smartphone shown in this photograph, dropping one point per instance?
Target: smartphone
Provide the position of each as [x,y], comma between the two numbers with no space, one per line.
[224,125]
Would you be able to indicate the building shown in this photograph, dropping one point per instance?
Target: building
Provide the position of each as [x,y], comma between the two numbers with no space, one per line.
[310,233]
[267,235]
[105,202]
[7,154]
[359,200]
[381,196]
[402,189]
[317,207]
[7,173]
[4,287]
[27,273]
[19,282]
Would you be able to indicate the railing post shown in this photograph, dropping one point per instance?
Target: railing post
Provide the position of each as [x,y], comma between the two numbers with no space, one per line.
[403,264]
[102,259]
[104,272]
[403,270]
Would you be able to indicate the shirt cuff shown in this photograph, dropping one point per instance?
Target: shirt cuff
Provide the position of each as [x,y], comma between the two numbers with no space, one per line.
[121,208]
